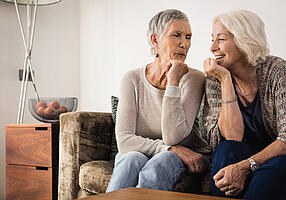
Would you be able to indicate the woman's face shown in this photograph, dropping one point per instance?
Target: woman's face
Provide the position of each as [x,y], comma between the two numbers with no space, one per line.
[224,48]
[175,41]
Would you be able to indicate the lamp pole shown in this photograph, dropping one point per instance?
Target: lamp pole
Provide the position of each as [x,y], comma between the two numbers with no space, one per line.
[28,44]
[28,39]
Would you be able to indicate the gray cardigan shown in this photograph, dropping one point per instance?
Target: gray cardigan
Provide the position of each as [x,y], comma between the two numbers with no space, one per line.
[271,75]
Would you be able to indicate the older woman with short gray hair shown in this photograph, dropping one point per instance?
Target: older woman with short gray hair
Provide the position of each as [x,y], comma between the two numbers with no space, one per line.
[158,105]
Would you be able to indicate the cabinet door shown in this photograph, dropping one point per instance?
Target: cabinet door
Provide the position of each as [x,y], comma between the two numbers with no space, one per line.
[26,182]
[29,146]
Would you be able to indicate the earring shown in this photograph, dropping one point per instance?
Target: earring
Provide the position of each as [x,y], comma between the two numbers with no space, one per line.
[156,54]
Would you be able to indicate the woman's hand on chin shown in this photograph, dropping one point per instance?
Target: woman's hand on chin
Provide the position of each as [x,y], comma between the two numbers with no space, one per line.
[212,68]
[175,70]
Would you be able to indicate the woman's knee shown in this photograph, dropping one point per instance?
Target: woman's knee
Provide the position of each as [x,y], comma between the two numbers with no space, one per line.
[132,158]
[164,163]
[229,152]
[161,172]
[227,146]
[166,158]
[276,165]
[232,150]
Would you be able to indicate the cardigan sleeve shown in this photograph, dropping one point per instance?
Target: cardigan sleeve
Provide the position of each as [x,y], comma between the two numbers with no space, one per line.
[280,102]
[211,110]
[180,107]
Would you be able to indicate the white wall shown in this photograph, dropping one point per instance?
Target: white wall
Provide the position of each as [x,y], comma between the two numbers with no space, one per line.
[55,60]
[113,38]
[82,48]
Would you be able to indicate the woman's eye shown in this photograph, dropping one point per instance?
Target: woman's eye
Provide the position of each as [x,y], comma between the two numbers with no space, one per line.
[188,37]
[177,35]
[221,39]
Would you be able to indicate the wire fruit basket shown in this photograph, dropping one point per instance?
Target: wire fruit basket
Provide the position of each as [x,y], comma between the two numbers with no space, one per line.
[48,109]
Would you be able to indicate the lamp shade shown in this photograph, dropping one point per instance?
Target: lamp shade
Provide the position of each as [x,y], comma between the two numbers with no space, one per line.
[40,2]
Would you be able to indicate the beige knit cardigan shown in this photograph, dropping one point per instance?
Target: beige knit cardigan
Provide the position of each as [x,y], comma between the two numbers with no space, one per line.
[271,75]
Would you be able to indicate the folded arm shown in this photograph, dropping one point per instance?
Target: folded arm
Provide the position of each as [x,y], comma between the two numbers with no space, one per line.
[180,107]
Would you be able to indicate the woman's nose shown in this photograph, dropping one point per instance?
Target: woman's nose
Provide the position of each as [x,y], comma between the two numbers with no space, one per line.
[214,46]
[184,44]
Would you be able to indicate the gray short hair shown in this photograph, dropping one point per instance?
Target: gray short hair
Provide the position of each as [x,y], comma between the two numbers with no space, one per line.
[160,22]
[249,34]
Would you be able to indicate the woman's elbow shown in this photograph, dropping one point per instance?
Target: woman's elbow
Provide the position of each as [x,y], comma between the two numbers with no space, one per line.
[237,137]
[169,141]
[235,133]
[171,138]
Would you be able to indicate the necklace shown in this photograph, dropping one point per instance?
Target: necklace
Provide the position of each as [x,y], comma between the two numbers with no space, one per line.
[241,94]
[244,96]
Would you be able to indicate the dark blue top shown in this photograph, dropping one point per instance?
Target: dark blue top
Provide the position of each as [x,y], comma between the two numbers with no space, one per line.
[255,133]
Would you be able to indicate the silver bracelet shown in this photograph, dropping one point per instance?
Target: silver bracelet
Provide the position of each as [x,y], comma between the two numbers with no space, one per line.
[229,101]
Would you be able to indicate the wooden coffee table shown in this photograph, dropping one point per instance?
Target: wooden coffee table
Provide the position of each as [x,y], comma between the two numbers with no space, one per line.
[148,194]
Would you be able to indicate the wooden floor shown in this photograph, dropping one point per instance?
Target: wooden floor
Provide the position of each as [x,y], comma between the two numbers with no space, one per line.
[148,194]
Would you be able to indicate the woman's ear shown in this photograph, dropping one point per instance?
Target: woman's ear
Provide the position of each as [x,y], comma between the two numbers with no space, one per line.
[154,39]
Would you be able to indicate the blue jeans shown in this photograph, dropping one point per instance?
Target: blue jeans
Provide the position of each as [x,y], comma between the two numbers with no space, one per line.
[267,182]
[134,169]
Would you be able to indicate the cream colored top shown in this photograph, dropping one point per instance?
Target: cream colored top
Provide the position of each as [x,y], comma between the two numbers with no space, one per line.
[150,120]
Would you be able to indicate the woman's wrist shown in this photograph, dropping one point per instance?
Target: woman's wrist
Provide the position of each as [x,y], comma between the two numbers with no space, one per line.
[245,166]
[227,101]
[173,82]
[172,148]
[226,78]
[227,90]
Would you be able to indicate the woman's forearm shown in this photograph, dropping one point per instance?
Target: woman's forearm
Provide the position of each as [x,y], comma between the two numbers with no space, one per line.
[230,120]
[274,149]
[127,142]
[180,107]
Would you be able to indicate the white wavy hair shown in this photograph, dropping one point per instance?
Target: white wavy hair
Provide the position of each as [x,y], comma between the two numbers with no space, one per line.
[160,22]
[249,34]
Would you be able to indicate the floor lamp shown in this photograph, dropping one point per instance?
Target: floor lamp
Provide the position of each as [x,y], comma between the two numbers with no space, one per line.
[28,38]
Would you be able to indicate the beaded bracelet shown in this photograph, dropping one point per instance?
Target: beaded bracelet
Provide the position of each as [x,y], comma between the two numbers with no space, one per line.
[229,101]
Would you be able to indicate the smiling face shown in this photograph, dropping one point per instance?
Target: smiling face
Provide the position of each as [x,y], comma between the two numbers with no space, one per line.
[224,48]
[175,41]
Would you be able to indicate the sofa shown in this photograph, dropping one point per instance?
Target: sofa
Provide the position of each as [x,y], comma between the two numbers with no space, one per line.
[87,148]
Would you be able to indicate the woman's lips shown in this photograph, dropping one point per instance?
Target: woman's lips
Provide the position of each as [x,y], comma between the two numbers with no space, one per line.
[181,54]
[217,57]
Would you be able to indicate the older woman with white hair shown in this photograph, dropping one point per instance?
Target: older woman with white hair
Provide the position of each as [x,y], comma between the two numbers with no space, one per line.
[245,110]
[158,105]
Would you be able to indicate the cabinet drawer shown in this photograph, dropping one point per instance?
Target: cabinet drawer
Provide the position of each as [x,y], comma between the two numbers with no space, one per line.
[25,182]
[29,146]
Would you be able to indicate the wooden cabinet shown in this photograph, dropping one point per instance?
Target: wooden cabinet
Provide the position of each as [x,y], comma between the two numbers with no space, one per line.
[32,161]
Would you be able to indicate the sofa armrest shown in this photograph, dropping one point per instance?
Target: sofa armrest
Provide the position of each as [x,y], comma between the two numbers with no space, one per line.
[84,136]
